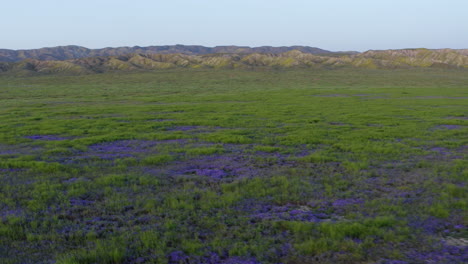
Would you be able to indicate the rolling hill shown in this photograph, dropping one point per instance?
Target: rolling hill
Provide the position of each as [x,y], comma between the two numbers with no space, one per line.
[77,52]
[385,59]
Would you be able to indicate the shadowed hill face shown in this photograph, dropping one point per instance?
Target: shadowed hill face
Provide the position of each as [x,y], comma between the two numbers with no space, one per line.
[76,52]
[4,66]
[387,59]
[56,53]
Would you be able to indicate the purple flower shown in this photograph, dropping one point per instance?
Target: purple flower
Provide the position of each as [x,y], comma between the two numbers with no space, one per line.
[442,254]
[185,128]
[80,202]
[450,127]
[46,137]
[346,202]
[213,173]
[288,213]
[394,262]
[177,257]
[239,260]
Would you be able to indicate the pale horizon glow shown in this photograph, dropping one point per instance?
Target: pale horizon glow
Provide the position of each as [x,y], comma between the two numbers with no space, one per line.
[336,25]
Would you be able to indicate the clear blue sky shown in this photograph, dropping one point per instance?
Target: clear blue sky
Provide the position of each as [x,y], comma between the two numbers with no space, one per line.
[328,24]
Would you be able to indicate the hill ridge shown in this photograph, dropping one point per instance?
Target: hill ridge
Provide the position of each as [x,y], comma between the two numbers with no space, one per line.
[387,59]
[77,52]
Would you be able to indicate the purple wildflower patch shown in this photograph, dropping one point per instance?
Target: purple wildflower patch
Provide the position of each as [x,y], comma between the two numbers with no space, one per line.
[46,137]
[123,146]
[347,202]
[80,202]
[286,212]
[213,173]
[449,127]
[161,120]
[442,254]
[4,214]
[185,128]
[178,256]
[21,149]
[433,225]
[440,150]
[388,261]
[457,117]
[10,170]
[239,260]
[337,124]
[217,167]
[74,179]
[120,149]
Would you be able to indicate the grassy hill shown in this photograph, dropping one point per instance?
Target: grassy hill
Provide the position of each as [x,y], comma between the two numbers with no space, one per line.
[77,52]
[386,59]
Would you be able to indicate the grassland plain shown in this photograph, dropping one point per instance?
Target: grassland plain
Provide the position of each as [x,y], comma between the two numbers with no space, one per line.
[235,166]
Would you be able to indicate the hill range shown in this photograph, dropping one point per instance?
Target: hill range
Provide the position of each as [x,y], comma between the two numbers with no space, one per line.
[80,60]
[77,52]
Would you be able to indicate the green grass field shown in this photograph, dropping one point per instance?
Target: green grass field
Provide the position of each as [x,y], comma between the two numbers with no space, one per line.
[235,166]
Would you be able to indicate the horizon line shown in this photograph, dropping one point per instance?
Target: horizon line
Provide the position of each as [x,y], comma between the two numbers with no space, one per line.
[216,46]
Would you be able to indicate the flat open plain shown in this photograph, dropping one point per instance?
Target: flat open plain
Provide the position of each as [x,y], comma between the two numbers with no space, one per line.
[235,166]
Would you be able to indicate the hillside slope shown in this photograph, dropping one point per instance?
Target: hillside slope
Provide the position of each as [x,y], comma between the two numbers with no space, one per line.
[77,52]
[387,59]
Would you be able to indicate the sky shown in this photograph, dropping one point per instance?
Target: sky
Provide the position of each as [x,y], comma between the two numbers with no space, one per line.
[337,25]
